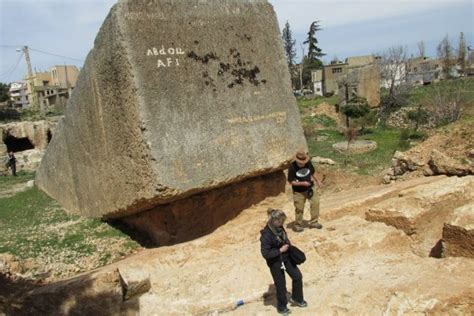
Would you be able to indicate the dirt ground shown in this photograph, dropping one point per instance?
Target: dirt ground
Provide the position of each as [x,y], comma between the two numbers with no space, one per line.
[354,266]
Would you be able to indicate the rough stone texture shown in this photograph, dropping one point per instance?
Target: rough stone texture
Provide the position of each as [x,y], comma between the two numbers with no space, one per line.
[202,213]
[95,294]
[322,161]
[9,264]
[3,149]
[458,233]
[356,147]
[402,163]
[176,98]
[400,119]
[405,162]
[401,215]
[37,132]
[3,156]
[134,281]
[411,206]
[442,164]
[29,160]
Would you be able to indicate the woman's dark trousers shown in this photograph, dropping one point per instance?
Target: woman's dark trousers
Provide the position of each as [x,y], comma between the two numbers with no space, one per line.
[280,283]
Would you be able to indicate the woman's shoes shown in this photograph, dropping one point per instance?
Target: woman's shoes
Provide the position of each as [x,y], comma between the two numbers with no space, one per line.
[302,304]
[285,311]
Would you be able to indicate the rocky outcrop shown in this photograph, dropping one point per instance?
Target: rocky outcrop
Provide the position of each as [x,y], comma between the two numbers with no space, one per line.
[400,119]
[458,233]
[442,164]
[322,161]
[176,98]
[134,281]
[355,147]
[27,140]
[401,164]
[37,133]
[404,163]
[29,160]
[414,206]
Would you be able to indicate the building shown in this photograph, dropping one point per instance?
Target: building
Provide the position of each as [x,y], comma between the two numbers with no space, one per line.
[317,79]
[332,73]
[355,76]
[54,87]
[423,70]
[19,94]
[64,76]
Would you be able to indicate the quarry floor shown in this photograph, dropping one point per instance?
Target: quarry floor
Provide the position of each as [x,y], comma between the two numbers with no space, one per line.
[354,266]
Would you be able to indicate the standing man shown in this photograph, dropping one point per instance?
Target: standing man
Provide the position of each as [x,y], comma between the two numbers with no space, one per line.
[11,162]
[302,177]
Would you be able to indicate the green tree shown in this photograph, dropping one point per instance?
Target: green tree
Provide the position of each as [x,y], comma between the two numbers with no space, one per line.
[4,94]
[289,45]
[312,60]
[314,52]
[357,107]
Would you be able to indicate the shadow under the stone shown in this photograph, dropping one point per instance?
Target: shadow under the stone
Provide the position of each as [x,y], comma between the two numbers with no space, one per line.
[83,295]
[437,250]
[139,237]
[199,214]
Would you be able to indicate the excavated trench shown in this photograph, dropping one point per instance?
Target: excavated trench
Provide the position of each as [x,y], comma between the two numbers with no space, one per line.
[199,214]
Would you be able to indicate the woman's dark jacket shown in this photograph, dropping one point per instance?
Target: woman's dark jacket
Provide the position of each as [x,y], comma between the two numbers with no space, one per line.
[270,247]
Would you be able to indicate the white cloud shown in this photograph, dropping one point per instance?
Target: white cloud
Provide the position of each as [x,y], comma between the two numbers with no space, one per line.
[331,13]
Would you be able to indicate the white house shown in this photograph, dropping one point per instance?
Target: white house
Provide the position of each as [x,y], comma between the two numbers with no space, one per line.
[317,79]
[19,94]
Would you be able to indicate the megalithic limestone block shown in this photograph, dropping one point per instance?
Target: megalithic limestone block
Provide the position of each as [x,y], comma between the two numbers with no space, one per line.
[176,98]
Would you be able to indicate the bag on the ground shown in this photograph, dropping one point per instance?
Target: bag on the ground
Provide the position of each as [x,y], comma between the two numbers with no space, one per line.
[296,255]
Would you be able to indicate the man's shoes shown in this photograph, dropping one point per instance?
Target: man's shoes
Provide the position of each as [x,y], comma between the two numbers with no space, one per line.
[298,228]
[285,311]
[315,225]
[302,304]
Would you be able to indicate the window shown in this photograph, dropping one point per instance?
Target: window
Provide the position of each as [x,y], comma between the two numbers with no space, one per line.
[336,70]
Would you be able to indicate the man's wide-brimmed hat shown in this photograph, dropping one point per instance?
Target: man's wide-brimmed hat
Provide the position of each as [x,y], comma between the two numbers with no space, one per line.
[302,156]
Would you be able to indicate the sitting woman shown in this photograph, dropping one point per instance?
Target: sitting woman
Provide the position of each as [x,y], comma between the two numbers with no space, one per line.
[274,247]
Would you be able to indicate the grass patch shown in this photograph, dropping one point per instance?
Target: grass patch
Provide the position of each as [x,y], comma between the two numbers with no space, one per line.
[322,119]
[32,225]
[304,103]
[419,94]
[9,181]
[371,163]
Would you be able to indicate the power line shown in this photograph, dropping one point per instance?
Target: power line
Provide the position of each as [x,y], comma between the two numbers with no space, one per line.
[47,53]
[41,51]
[12,69]
[10,46]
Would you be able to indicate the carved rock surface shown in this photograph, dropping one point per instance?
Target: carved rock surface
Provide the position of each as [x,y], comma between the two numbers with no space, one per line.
[175,98]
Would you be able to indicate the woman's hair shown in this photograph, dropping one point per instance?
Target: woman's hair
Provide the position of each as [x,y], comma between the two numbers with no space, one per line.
[274,214]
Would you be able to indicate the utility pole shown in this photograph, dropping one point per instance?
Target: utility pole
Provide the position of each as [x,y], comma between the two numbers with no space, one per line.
[33,97]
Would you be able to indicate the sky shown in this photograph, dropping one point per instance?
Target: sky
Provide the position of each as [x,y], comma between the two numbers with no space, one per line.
[350,27]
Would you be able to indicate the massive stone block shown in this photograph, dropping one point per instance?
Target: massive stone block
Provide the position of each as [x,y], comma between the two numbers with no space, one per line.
[175,98]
